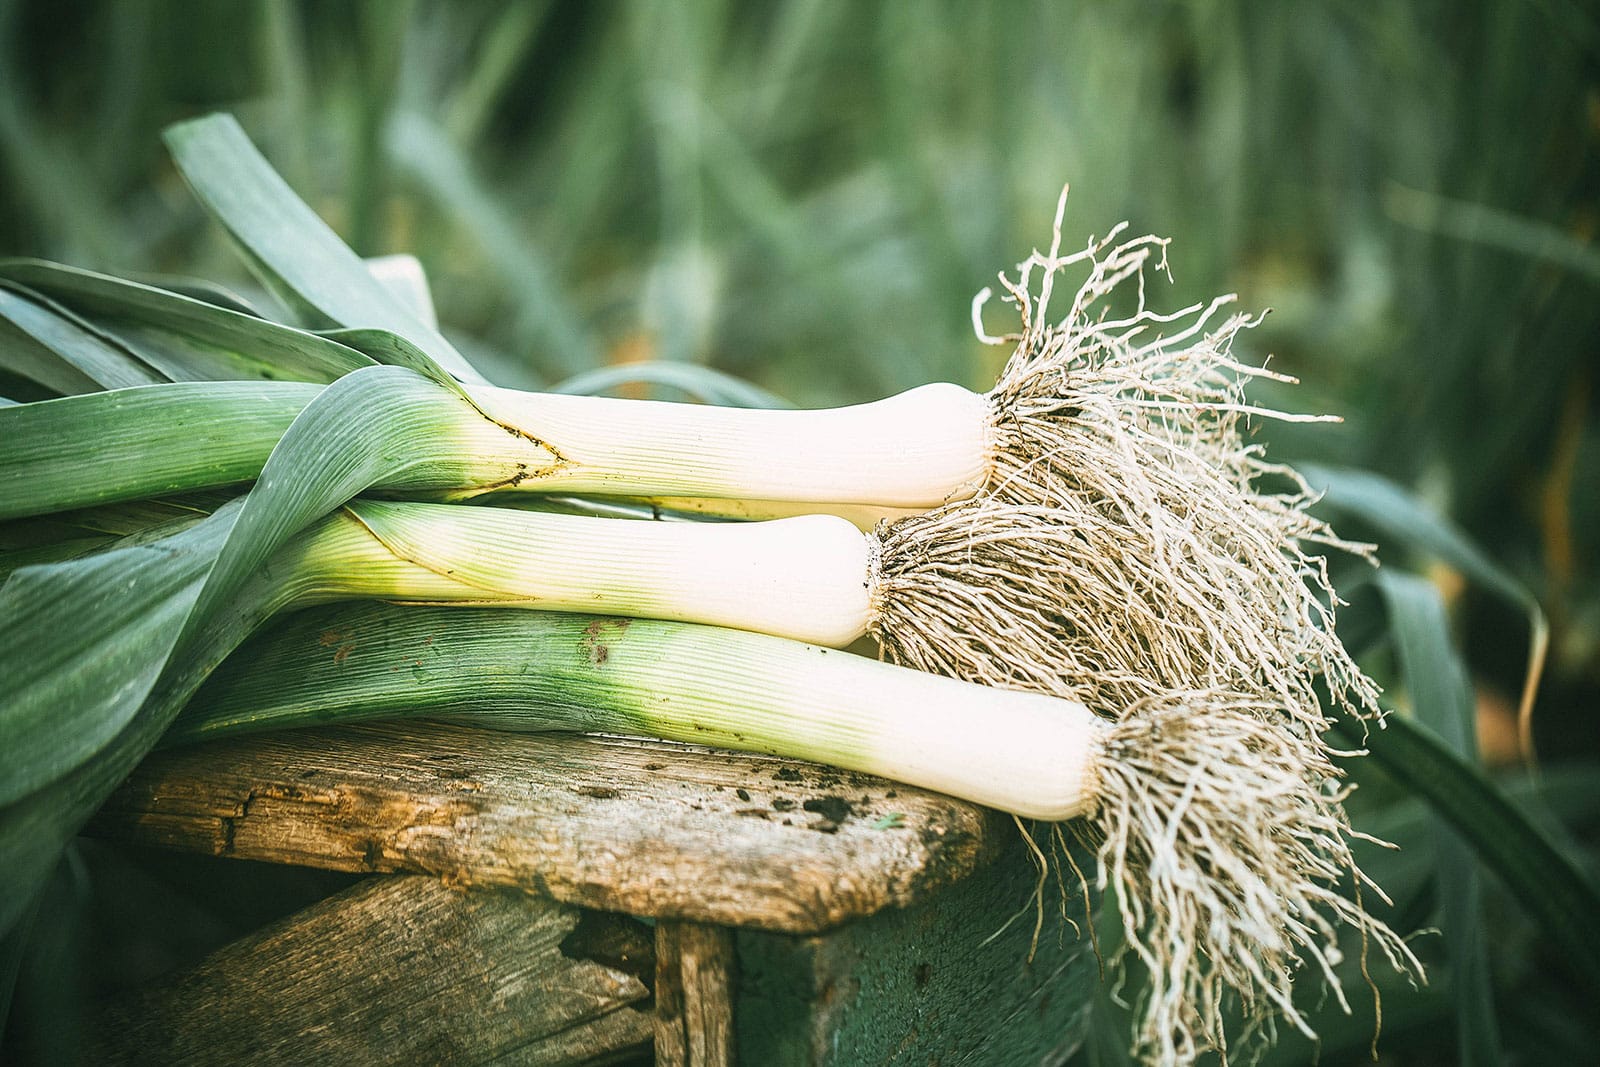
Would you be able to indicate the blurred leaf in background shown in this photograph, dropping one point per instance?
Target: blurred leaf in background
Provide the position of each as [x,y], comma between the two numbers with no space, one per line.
[807,195]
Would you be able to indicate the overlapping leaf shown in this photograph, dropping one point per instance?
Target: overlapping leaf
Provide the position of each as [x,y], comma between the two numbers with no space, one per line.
[291,250]
[182,337]
[75,732]
[153,619]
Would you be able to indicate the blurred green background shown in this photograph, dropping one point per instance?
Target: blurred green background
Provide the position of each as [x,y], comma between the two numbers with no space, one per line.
[808,195]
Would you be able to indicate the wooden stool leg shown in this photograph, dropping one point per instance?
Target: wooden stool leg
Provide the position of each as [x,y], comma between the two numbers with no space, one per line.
[695,978]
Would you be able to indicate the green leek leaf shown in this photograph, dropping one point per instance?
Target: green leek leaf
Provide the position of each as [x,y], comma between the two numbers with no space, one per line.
[72,732]
[293,252]
[140,442]
[184,338]
[1396,514]
[45,346]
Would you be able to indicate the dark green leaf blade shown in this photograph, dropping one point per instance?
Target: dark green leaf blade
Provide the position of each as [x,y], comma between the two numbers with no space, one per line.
[293,251]
[63,703]
[1517,849]
[1399,516]
[380,424]
[72,340]
[1442,698]
[39,345]
[185,338]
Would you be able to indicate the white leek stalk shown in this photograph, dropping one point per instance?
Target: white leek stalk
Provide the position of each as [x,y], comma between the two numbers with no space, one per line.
[915,450]
[808,578]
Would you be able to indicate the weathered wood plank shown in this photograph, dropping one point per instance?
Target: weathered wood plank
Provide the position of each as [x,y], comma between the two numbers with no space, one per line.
[392,970]
[644,828]
[948,981]
[695,974]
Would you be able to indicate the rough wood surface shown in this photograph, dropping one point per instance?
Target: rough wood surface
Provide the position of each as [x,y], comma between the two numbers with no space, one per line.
[644,828]
[394,970]
[695,976]
[955,979]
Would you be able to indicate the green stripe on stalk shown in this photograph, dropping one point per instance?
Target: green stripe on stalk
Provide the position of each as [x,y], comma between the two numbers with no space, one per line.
[1021,752]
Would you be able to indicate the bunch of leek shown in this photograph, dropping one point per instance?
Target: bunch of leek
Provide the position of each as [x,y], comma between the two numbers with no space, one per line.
[1092,529]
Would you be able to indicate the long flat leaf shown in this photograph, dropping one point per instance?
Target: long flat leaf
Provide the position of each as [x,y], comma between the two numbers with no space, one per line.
[1442,700]
[201,289]
[379,425]
[1564,902]
[386,346]
[294,253]
[1400,517]
[185,338]
[53,330]
[25,359]
[61,703]
[56,712]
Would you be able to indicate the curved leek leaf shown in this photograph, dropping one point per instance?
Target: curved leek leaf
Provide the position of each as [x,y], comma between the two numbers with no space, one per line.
[293,252]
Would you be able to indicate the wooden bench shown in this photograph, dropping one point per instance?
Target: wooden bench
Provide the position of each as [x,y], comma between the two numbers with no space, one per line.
[560,899]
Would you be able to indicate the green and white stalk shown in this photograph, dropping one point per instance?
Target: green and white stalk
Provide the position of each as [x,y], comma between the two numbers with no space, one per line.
[911,451]
[809,578]
[1025,753]
[929,446]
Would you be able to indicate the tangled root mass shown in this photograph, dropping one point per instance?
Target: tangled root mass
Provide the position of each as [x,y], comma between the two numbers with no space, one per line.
[1133,550]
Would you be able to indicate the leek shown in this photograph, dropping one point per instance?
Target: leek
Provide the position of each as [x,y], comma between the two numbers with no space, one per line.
[1026,753]
[1184,781]
[1099,517]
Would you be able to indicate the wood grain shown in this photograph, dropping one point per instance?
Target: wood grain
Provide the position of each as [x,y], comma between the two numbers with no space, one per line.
[394,970]
[645,828]
[695,978]
[956,979]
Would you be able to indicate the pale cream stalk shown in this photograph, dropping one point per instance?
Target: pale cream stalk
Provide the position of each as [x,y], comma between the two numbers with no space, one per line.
[914,450]
[1026,753]
[807,578]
